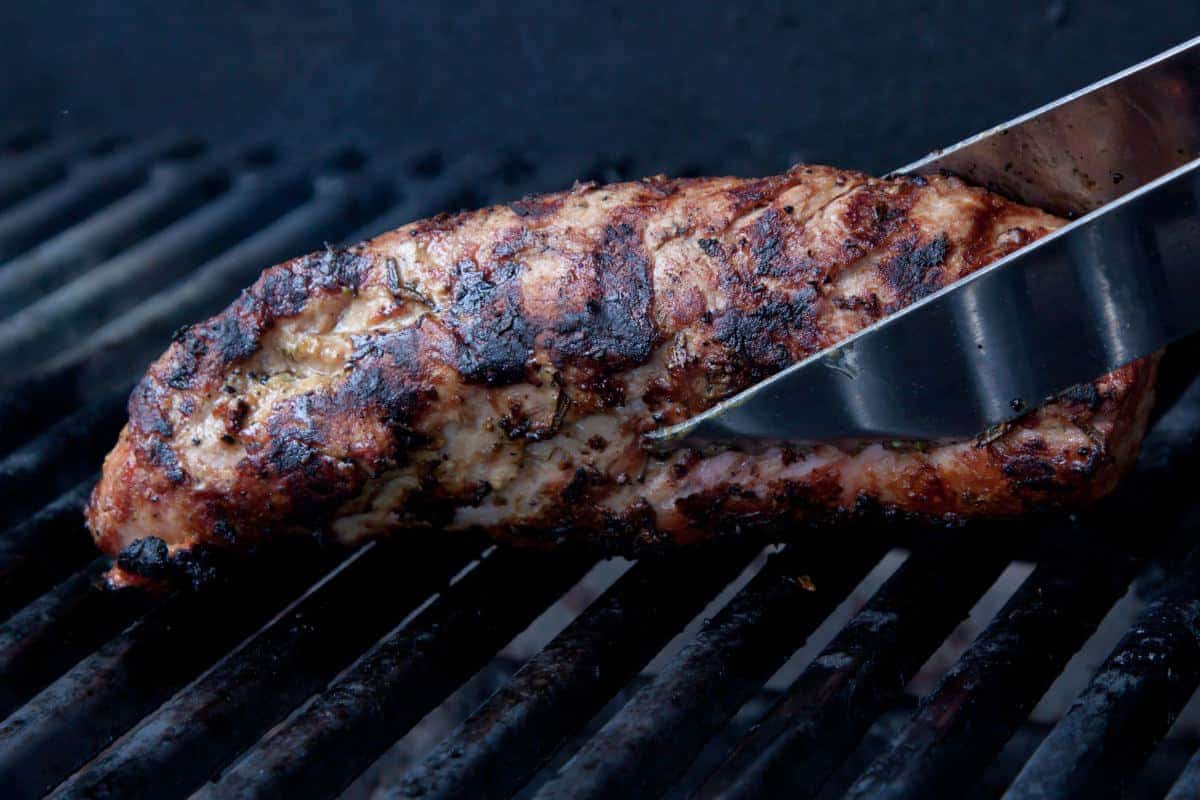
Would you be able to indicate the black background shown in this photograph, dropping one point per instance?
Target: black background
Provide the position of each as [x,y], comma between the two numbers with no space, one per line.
[750,86]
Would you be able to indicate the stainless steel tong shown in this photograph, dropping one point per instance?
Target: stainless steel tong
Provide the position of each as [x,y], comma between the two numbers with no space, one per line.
[1120,157]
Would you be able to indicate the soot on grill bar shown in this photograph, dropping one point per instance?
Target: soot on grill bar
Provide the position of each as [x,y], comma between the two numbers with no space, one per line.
[1054,657]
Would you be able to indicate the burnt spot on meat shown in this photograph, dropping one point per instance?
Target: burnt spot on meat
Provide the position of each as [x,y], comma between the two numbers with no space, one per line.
[161,454]
[534,207]
[389,377]
[1084,394]
[1027,471]
[486,314]
[1092,458]
[615,329]
[149,558]
[186,357]
[609,390]
[874,212]
[235,416]
[762,339]
[581,482]
[702,507]
[322,444]
[234,342]
[336,268]
[223,531]
[144,409]
[285,290]
[289,450]
[767,240]
[914,272]
[868,307]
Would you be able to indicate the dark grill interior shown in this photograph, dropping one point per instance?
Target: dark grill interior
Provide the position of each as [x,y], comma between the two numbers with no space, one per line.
[295,682]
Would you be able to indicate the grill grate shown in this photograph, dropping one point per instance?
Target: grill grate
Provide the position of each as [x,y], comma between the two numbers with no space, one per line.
[294,684]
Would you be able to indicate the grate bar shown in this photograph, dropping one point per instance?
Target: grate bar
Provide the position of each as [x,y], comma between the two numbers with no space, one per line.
[63,455]
[990,691]
[650,742]
[87,187]
[1111,728]
[111,357]
[44,639]
[44,548]
[173,189]
[503,744]
[818,722]
[467,179]
[34,170]
[323,748]
[64,317]
[187,739]
[106,693]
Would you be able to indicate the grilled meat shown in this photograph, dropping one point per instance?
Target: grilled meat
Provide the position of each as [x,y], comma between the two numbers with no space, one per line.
[495,370]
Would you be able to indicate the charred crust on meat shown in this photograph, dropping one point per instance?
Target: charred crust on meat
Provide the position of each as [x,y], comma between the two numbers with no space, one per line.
[486,314]
[1084,394]
[284,291]
[761,339]
[186,355]
[1027,471]
[287,289]
[162,455]
[913,272]
[767,239]
[234,342]
[148,557]
[145,411]
[581,481]
[615,330]
[224,531]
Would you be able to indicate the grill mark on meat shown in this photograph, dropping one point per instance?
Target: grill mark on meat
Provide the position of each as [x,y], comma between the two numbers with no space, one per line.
[496,337]
[762,339]
[913,273]
[615,330]
[767,243]
[529,347]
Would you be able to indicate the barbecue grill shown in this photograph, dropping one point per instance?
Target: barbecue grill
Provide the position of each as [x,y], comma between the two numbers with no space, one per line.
[257,683]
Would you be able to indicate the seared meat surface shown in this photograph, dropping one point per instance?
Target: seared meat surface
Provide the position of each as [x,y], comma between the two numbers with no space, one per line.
[495,370]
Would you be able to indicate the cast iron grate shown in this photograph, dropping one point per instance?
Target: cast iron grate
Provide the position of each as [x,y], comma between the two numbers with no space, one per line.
[294,684]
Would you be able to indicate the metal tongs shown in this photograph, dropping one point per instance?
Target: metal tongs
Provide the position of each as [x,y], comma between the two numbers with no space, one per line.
[1119,282]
